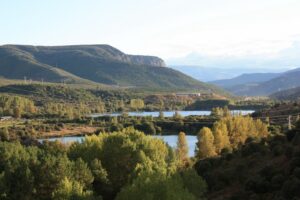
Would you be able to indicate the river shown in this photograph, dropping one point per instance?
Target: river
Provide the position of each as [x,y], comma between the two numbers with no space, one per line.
[171,140]
[169,113]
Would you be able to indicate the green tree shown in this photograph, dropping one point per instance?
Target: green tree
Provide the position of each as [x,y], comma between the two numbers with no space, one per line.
[161,186]
[82,173]
[72,190]
[129,150]
[4,134]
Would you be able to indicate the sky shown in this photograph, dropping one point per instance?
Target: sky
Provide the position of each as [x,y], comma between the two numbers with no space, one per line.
[169,29]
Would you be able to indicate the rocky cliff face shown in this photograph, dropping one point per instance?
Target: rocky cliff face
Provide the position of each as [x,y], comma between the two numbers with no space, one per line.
[147,60]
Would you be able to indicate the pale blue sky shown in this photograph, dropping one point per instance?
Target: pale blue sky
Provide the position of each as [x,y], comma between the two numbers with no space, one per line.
[166,28]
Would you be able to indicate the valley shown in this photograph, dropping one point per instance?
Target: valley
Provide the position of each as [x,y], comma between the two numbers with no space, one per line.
[150,100]
[107,114]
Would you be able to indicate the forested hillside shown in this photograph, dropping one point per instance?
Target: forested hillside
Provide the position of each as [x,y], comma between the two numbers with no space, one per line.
[290,94]
[268,169]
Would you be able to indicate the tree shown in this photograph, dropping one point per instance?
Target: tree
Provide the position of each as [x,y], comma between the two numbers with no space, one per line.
[205,144]
[136,104]
[177,115]
[167,187]
[221,138]
[182,150]
[82,173]
[4,134]
[161,115]
[72,190]
[239,128]
[124,155]
[226,112]
[17,112]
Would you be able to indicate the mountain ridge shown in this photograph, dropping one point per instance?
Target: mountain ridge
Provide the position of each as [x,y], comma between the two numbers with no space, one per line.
[92,63]
[261,86]
[246,78]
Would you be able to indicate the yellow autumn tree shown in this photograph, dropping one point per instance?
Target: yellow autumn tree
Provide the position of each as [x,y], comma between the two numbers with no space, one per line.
[221,138]
[239,128]
[205,144]
[182,150]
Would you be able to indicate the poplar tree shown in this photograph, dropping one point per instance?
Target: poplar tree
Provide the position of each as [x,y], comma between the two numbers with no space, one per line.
[161,115]
[221,138]
[182,149]
[205,144]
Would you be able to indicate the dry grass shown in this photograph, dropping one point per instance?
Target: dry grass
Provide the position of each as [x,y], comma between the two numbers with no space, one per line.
[70,131]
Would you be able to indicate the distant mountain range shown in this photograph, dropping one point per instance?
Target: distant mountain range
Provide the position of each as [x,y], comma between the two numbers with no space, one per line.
[261,84]
[286,58]
[92,64]
[254,78]
[210,74]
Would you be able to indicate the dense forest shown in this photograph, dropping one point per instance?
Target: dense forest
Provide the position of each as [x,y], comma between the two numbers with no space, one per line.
[120,165]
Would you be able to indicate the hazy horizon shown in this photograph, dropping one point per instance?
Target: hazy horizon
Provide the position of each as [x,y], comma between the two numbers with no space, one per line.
[170,29]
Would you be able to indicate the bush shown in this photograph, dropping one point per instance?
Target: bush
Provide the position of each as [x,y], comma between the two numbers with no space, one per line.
[277,181]
[278,150]
[258,185]
[291,188]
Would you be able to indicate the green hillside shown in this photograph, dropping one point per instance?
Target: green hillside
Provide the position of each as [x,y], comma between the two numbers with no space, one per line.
[92,63]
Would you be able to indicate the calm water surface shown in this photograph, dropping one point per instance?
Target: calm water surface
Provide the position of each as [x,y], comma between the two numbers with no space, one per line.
[169,113]
[169,139]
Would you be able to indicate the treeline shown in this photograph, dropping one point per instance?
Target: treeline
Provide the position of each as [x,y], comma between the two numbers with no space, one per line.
[94,100]
[231,104]
[120,165]
[16,106]
[155,125]
[228,134]
[63,101]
